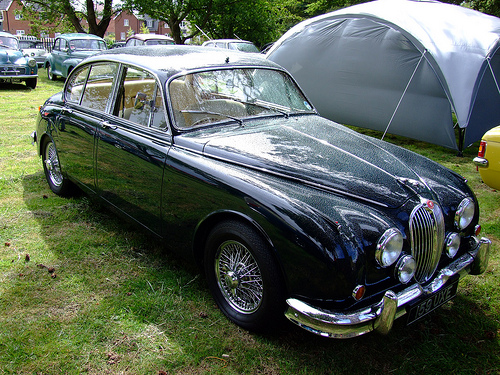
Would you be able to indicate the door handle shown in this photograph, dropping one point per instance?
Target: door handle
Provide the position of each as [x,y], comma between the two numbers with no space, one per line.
[107,125]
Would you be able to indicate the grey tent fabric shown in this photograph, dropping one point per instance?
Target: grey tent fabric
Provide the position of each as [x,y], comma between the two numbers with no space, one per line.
[400,66]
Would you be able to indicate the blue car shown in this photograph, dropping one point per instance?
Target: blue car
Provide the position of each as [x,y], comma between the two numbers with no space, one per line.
[14,66]
[68,50]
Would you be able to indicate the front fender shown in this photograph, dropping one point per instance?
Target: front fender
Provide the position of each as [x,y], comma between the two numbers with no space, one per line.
[69,65]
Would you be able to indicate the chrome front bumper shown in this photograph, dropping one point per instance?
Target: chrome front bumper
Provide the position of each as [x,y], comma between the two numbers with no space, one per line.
[381,315]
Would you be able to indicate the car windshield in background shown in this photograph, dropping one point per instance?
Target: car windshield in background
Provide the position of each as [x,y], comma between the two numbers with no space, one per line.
[25,44]
[234,94]
[9,42]
[86,45]
[244,47]
[158,42]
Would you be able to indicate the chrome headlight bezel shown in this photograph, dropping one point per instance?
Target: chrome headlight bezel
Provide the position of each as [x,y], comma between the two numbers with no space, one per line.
[452,244]
[389,247]
[31,62]
[464,214]
[405,269]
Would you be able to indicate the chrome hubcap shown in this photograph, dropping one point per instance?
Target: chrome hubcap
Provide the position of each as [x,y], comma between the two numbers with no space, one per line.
[239,277]
[52,165]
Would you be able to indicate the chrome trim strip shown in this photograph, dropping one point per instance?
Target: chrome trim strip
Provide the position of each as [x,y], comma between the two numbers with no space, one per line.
[380,316]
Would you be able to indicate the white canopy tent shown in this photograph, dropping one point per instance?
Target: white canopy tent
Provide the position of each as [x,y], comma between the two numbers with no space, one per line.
[400,66]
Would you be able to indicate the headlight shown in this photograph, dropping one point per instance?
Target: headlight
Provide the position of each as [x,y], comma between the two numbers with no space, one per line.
[405,268]
[389,247]
[452,244]
[464,214]
[32,62]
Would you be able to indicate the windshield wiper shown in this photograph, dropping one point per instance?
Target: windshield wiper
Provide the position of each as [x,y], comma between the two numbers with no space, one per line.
[240,121]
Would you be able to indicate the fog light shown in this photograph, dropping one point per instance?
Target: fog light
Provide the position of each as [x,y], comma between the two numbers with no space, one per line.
[452,244]
[405,268]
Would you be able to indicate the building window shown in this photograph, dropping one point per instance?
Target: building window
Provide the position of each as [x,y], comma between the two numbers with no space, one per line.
[18,17]
[123,36]
[1,15]
[149,24]
[19,32]
[125,22]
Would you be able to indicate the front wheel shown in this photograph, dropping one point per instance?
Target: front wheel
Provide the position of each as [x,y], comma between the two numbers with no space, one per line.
[59,184]
[31,83]
[243,276]
[50,73]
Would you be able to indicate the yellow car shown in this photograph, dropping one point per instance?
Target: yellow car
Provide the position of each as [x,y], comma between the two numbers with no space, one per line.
[488,158]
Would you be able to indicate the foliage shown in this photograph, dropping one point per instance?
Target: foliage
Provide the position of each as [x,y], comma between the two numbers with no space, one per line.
[260,21]
[173,12]
[491,7]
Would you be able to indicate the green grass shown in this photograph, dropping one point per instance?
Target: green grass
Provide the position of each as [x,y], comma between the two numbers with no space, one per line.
[119,303]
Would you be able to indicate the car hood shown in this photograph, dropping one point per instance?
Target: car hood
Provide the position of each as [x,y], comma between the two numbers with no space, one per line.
[9,56]
[323,155]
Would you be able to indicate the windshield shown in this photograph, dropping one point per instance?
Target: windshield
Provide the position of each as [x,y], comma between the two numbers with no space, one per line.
[156,42]
[245,47]
[205,98]
[87,45]
[8,42]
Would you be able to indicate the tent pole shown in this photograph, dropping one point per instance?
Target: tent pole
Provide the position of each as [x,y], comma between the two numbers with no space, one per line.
[404,93]
[461,135]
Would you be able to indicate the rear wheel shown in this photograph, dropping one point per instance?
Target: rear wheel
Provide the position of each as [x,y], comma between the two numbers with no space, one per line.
[59,184]
[243,276]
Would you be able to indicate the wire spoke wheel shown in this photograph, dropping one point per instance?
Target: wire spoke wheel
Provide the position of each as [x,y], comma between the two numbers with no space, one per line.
[239,277]
[52,166]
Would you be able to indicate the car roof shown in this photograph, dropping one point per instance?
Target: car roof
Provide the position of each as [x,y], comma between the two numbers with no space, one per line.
[229,41]
[149,37]
[167,61]
[3,33]
[79,36]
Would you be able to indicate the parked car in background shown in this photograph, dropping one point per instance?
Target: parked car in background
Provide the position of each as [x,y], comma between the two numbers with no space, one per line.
[234,44]
[68,50]
[14,66]
[34,49]
[117,45]
[488,158]
[288,213]
[148,40]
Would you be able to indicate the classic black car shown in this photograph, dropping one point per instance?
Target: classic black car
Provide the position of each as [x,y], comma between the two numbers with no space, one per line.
[288,213]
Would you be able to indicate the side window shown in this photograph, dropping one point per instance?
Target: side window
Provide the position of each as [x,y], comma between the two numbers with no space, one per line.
[64,44]
[98,88]
[75,85]
[57,45]
[140,100]
[159,111]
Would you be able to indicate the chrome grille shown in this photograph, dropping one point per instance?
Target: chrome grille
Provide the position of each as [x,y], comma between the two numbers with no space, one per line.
[12,71]
[427,238]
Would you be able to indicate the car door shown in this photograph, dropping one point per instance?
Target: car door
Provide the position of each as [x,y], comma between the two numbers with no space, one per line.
[133,143]
[60,54]
[86,95]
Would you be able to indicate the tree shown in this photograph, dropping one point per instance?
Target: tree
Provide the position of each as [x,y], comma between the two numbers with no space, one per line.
[173,12]
[260,21]
[95,16]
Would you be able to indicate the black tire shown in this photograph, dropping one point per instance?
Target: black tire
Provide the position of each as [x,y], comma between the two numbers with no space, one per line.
[50,74]
[59,184]
[31,83]
[243,276]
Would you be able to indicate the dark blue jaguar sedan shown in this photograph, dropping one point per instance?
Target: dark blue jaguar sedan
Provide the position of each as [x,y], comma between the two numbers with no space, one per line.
[289,214]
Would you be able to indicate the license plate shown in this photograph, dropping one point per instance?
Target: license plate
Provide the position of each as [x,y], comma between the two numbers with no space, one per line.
[432,302]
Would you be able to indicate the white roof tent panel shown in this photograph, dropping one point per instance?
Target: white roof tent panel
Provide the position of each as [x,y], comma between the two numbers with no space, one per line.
[383,57]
